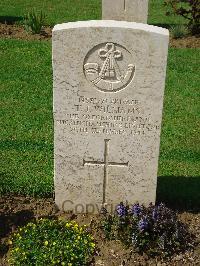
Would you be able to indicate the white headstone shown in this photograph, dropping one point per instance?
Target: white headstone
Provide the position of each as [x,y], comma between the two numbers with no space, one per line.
[127,10]
[109,80]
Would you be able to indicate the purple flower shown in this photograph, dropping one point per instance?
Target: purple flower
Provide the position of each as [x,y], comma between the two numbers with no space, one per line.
[143,224]
[136,209]
[155,214]
[161,206]
[121,210]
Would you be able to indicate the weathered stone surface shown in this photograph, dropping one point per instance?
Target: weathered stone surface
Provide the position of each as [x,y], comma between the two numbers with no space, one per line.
[109,80]
[127,10]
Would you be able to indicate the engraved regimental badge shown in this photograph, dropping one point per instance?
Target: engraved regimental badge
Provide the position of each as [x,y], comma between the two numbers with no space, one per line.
[109,67]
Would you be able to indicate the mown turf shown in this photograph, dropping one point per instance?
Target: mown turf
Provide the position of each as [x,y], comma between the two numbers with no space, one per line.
[26,117]
[179,164]
[27,124]
[59,11]
[180,142]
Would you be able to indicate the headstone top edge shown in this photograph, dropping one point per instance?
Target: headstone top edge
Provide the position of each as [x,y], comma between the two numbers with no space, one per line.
[111,24]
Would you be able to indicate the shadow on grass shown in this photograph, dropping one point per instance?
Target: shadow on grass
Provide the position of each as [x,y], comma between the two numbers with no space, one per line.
[10,20]
[9,184]
[166,25]
[179,193]
[25,145]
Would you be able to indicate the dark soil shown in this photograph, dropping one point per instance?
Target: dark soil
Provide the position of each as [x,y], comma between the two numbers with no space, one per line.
[18,32]
[187,42]
[17,211]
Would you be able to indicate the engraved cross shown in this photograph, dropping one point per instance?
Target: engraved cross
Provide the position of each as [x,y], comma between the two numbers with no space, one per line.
[124,5]
[106,164]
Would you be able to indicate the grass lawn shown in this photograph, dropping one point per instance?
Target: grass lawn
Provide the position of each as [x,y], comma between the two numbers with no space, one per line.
[27,123]
[180,142]
[59,11]
[26,117]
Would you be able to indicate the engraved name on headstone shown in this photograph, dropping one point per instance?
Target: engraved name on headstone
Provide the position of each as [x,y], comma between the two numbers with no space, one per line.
[127,10]
[109,83]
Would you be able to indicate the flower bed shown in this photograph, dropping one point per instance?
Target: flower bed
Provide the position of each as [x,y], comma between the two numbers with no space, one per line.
[16,212]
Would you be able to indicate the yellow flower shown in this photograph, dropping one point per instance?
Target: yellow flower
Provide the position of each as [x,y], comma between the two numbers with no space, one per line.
[9,242]
[92,245]
[46,243]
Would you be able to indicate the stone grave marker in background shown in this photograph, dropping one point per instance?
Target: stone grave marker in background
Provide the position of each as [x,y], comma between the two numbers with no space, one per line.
[127,10]
[109,80]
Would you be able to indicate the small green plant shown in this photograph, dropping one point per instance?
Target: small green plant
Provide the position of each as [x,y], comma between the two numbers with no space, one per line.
[188,9]
[51,242]
[178,31]
[34,21]
[154,229]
